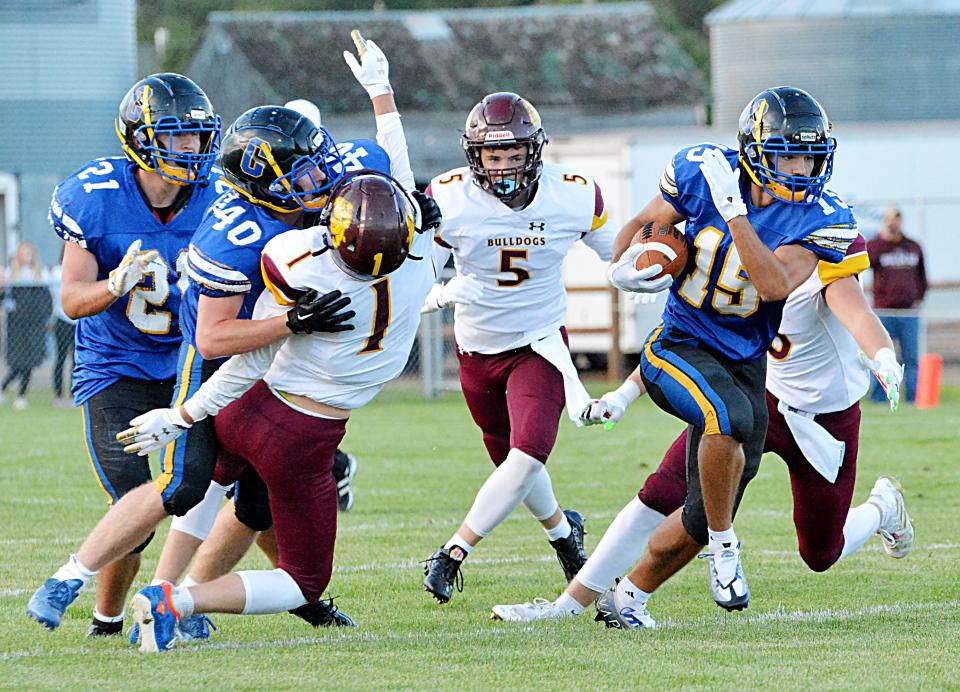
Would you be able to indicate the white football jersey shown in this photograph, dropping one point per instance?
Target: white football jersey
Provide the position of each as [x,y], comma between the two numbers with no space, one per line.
[812,364]
[517,255]
[343,369]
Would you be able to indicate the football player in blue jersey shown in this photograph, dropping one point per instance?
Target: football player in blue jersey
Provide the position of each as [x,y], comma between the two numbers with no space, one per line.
[127,223]
[224,265]
[759,220]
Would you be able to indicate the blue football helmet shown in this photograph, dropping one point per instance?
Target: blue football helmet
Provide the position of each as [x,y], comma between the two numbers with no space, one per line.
[156,109]
[786,121]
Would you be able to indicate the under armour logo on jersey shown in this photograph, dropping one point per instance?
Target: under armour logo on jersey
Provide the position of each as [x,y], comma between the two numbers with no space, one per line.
[542,226]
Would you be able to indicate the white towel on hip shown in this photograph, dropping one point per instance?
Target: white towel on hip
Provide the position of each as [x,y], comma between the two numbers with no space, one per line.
[555,352]
[821,449]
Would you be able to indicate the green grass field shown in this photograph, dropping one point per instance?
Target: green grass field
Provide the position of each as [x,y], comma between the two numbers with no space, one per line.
[870,622]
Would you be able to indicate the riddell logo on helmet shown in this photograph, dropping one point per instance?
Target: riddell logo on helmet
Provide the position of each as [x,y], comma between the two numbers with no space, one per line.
[498,136]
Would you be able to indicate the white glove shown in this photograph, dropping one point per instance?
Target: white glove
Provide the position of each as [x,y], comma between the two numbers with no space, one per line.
[724,184]
[152,431]
[460,289]
[626,277]
[609,408]
[373,70]
[130,270]
[646,298]
[888,371]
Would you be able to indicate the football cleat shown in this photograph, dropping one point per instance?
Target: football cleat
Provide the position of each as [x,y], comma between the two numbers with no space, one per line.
[99,628]
[50,601]
[539,609]
[442,572]
[324,614]
[570,551]
[728,585]
[344,469]
[631,615]
[153,612]
[195,627]
[896,529]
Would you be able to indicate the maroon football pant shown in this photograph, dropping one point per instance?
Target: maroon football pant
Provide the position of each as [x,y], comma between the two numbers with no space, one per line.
[819,507]
[516,398]
[293,454]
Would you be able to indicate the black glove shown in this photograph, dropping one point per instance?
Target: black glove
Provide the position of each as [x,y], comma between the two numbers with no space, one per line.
[319,313]
[430,215]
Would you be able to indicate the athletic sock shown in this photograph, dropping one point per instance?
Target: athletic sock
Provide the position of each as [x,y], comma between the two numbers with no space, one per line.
[158,582]
[458,541]
[862,522]
[568,604]
[101,619]
[627,590]
[621,546]
[74,569]
[722,539]
[189,581]
[561,530]
[182,601]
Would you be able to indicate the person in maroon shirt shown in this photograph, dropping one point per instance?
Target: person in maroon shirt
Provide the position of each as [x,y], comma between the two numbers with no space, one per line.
[899,283]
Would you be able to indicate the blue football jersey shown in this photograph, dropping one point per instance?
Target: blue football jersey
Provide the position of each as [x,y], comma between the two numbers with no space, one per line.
[224,256]
[100,208]
[715,301]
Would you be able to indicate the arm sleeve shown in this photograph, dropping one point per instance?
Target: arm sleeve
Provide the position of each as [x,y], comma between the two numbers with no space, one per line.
[390,136]
[231,381]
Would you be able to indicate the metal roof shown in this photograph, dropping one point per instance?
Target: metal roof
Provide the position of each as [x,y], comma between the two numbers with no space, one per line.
[760,10]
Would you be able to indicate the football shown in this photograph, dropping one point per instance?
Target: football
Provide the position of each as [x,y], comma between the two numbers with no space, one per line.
[663,244]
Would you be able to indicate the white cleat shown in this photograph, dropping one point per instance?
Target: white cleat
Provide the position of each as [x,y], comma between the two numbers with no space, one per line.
[728,585]
[621,612]
[540,609]
[896,529]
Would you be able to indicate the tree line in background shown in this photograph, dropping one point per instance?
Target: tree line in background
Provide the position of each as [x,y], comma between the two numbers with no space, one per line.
[187,22]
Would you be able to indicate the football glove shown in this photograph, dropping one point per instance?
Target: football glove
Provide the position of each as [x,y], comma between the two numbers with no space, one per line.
[373,70]
[320,313]
[626,277]
[460,289]
[130,270]
[724,184]
[888,371]
[609,408]
[153,431]
[430,215]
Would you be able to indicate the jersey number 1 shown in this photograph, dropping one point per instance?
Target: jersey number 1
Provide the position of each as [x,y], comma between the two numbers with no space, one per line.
[381,317]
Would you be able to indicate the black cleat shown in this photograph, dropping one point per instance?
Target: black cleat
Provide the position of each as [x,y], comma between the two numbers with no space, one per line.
[442,573]
[323,614]
[570,551]
[344,469]
[99,628]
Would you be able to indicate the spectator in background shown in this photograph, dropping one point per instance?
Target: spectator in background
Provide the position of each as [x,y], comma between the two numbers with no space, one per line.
[64,330]
[28,304]
[899,283]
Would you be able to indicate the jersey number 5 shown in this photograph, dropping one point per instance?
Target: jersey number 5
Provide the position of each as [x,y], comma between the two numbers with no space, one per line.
[507,258]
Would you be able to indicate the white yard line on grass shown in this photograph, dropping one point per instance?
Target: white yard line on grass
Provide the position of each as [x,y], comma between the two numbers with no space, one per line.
[818,616]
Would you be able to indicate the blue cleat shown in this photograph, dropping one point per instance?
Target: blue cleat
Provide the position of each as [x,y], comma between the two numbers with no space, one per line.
[153,612]
[50,601]
[134,634]
[195,627]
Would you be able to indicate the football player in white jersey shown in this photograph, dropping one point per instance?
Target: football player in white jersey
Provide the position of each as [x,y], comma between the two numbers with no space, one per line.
[815,379]
[509,220]
[288,425]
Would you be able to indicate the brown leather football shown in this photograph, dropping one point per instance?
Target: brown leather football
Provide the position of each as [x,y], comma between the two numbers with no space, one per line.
[663,244]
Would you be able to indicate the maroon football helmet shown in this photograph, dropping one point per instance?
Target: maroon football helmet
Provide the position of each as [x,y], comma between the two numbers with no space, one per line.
[504,120]
[370,223]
